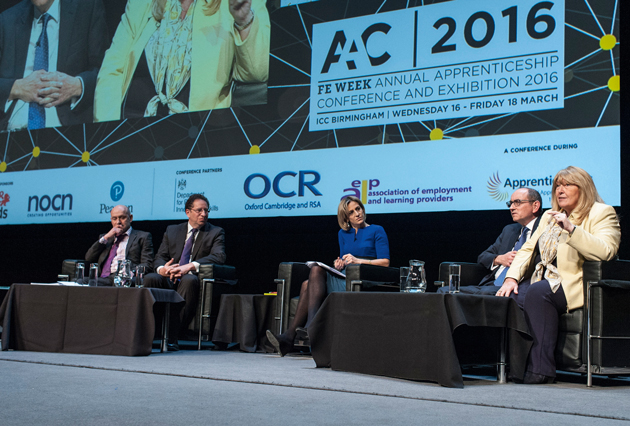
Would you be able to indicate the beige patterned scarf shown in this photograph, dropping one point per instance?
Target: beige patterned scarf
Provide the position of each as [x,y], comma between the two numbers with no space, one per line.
[168,55]
[548,246]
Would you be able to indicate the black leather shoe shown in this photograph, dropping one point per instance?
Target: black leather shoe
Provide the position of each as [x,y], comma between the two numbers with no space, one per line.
[536,379]
[280,346]
[172,347]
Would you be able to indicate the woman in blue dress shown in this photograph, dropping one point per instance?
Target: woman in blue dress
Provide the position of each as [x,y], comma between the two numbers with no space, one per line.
[358,243]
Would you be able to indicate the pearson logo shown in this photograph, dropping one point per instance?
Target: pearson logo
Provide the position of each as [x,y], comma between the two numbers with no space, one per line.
[117,191]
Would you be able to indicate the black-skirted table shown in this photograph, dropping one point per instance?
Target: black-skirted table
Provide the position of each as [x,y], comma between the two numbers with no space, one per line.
[409,336]
[243,319]
[87,320]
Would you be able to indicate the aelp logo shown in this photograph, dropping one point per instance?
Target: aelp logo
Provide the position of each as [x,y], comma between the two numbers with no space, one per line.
[361,189]
[117,190]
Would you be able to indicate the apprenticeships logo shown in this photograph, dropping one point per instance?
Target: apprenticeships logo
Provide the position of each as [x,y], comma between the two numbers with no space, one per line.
[117,191]
[4,200]
[495,188]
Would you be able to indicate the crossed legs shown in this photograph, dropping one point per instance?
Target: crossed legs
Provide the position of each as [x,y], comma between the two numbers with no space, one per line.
[312,295]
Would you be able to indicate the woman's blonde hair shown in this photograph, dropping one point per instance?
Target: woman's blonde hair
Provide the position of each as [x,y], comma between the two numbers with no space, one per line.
[588,194]
[209,8]
[342,211]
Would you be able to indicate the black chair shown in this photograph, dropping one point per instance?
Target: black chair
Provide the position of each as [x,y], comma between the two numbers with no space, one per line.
[600,346]
[68,268]
[358,278]
[595,339]
[214,280]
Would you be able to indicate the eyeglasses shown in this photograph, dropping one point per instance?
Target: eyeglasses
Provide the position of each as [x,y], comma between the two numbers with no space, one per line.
[199,211]
[565,185]
[518,203]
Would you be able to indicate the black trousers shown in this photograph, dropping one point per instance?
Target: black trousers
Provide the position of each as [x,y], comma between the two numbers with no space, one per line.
[542,308]
[188,288]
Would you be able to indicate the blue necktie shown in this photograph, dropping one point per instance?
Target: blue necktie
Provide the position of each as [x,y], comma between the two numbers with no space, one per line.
[185,259]
[36,113]
[499,280]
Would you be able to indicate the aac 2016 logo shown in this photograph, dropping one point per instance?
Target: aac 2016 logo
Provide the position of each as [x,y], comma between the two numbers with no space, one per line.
[307,179]
[340,40]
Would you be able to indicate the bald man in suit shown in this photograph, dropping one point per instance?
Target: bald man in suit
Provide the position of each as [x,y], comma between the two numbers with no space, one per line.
[122,242]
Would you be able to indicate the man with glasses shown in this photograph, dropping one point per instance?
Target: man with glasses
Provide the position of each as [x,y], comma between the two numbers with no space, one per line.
[184,247]
[526,208]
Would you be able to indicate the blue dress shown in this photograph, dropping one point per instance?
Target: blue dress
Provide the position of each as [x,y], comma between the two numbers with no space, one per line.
[369,242]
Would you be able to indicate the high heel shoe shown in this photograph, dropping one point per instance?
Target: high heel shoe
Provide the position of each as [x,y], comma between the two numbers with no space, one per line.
[301,333]
[282,347]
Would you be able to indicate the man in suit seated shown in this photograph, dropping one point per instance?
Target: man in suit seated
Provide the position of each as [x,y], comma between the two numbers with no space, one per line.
[526,208]
[184,247]
[121,243]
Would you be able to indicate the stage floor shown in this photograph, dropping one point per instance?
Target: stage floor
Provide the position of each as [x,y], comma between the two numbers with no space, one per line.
[233,388]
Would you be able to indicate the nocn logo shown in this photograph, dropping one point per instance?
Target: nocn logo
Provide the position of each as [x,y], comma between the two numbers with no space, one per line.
[45,202]
[117,190]
[262,184]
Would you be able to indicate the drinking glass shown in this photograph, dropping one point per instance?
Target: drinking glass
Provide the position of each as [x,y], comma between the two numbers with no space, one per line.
[417,280]
[454,271]
[123,274]
[140,271]
[93,280]
[404,273]
[79,272]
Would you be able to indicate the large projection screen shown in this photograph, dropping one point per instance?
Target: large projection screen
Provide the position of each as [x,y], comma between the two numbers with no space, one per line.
[414,106]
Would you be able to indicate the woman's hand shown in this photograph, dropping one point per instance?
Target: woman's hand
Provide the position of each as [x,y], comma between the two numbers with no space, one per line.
[241,11]
[348,258]
[339,264]
[509,285]
[562,220]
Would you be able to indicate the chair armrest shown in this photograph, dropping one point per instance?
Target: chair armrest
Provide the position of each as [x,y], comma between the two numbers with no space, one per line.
[293,274]
[218,272]
[68,267]
[471,273]
[378,278]
[289,282]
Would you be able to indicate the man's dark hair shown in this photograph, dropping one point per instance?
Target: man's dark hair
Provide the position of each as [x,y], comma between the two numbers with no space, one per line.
[534,195]
[192,198]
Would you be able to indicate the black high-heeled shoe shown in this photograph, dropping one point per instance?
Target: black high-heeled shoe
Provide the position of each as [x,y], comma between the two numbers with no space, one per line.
[301,333]
[281,347]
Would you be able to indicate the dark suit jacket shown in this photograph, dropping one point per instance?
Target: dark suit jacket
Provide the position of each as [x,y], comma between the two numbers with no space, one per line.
[83,40]
[209,245]
[504,243]
[139,251]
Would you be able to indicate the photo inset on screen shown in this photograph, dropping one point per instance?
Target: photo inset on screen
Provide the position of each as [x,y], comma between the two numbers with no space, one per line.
[172,56]
[58,68]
